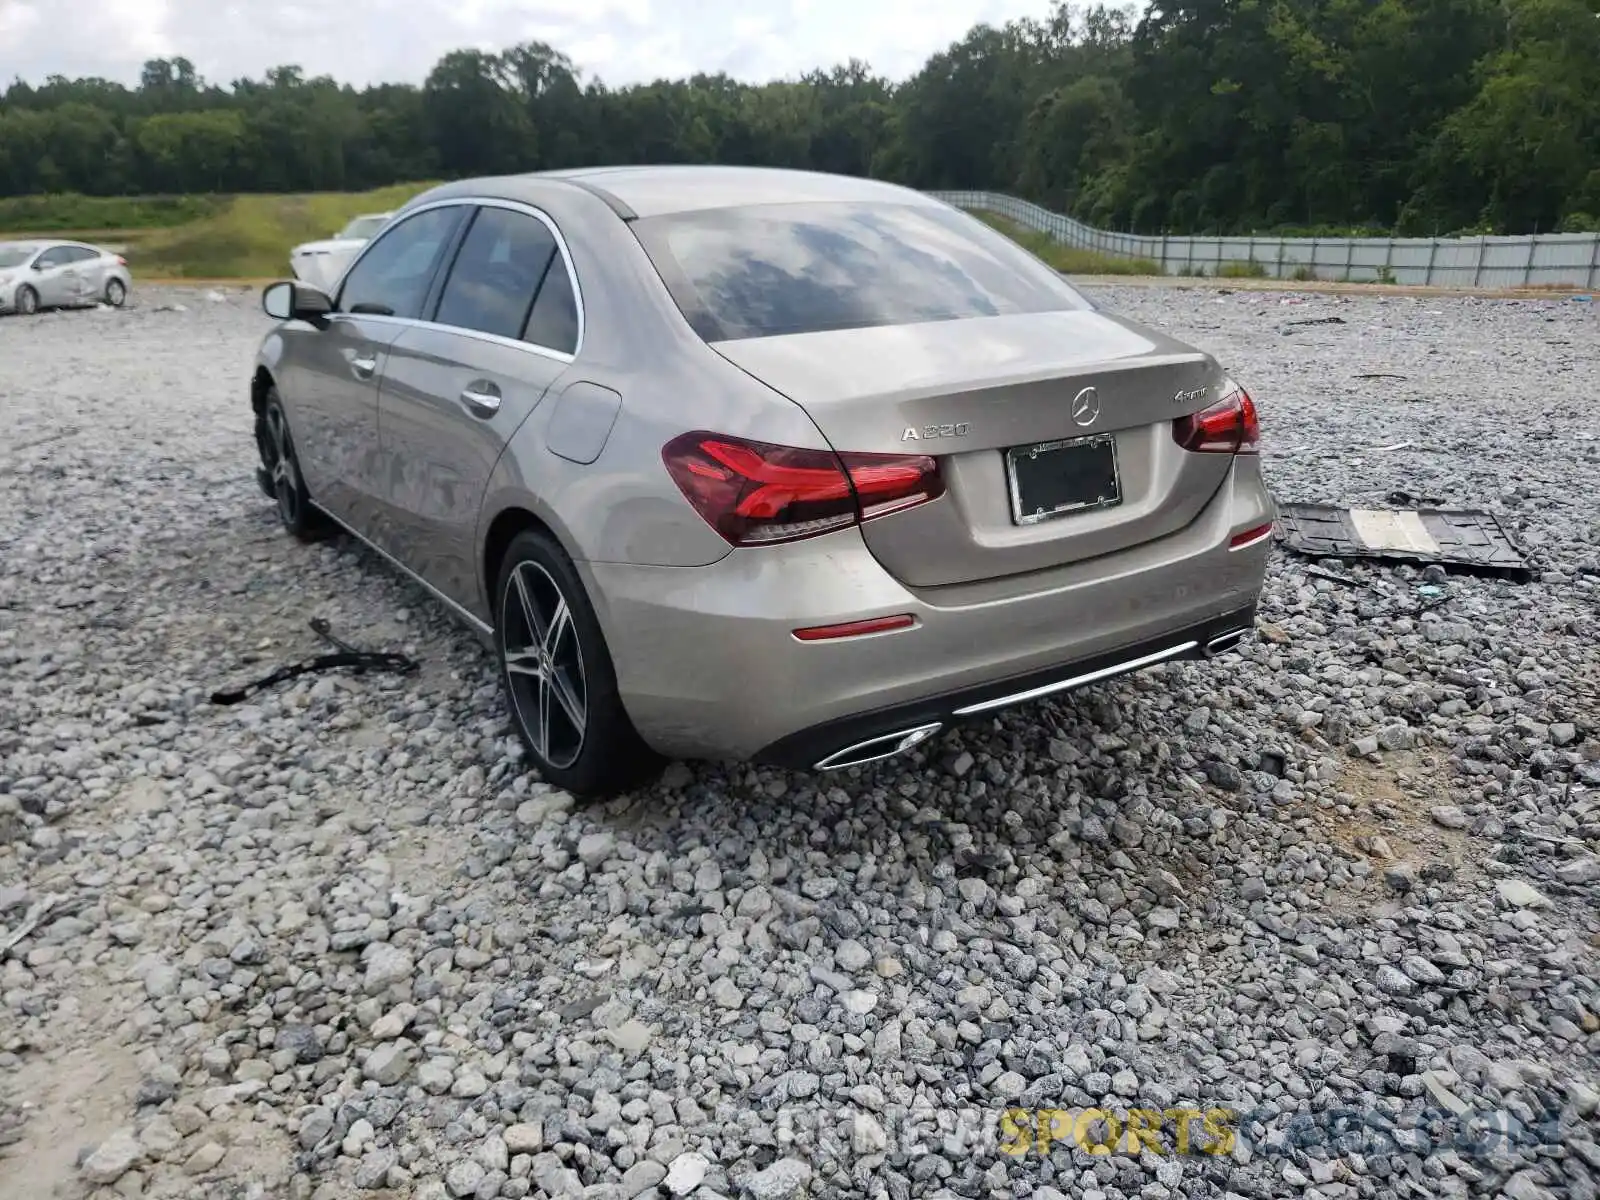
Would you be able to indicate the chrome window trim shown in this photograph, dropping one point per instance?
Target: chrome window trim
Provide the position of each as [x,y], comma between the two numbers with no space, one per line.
[495,339]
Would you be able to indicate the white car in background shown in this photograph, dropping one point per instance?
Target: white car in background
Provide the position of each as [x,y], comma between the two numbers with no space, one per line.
[42,274]
[320,263]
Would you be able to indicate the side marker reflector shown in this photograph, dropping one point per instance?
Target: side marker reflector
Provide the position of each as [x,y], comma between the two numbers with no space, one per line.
[850,629]
[1250,537]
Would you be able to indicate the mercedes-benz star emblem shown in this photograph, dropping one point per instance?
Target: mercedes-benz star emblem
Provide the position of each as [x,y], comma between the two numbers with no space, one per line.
[1086,407]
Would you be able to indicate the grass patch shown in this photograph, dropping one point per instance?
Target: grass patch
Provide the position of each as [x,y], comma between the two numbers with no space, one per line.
[1242,270]
[1069,260]
[251,237]
[222,237]
[68,212]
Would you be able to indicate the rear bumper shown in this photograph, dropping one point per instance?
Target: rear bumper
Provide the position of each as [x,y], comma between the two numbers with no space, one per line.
[708,667]
[866,737]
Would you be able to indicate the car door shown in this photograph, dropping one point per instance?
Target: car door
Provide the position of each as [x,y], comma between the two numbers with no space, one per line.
[54,277]
[91,266]
[329,380]
[505,326]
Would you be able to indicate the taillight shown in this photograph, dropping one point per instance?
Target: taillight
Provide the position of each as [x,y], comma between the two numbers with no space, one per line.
[755,493]
[1229,426]
[121,262]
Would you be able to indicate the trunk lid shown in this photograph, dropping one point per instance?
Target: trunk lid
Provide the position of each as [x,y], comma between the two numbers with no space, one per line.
[967,392]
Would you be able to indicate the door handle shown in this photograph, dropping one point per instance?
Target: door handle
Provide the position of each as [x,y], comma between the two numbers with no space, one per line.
[482,398]
[364,367]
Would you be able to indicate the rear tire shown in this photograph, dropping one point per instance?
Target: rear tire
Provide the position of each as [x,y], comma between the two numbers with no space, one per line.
[558,677]
[27,301]
[116,293]
[299,515]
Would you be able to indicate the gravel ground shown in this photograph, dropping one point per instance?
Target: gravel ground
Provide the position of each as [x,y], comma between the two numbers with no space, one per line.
[335,941]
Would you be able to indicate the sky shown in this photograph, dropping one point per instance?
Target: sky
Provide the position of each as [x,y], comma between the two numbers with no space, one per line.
[369,41]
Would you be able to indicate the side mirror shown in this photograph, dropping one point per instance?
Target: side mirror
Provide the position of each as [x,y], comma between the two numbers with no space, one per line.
[292,300]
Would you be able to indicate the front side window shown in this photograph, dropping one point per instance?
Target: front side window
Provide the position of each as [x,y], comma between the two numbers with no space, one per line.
[53,258]
[497,273]
[775,269]
[392,278]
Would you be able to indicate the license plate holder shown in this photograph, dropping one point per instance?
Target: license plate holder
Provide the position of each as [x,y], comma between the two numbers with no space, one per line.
[1048,480]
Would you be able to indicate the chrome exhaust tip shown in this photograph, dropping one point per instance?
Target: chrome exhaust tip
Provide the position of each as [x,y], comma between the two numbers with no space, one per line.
[1222,643]
[885,745]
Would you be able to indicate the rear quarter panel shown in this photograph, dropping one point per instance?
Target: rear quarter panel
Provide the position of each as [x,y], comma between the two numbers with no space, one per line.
[623,507]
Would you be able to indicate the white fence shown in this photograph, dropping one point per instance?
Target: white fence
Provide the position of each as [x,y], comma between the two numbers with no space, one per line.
[1550,259]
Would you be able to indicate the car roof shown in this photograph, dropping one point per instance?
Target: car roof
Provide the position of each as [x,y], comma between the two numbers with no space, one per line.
[653,191]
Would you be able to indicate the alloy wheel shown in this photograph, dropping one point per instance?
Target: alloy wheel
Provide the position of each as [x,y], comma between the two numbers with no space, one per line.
[544,664]
[116,293]
[285,477]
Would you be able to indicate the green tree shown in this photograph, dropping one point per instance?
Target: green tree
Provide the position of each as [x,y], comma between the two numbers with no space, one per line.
[1188,116]
[473,118]
[1526,143]
[188,151]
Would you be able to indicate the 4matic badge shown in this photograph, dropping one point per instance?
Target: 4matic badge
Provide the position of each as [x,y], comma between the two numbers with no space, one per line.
[914,433]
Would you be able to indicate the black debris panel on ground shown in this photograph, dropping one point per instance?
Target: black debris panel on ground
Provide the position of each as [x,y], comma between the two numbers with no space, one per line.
[1464,540]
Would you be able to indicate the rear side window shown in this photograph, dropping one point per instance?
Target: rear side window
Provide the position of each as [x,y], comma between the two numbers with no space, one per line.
[497,273]
[769,270]
[553,323]
[393,276]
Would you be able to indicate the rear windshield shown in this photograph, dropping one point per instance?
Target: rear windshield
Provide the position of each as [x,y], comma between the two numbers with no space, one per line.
[768,270]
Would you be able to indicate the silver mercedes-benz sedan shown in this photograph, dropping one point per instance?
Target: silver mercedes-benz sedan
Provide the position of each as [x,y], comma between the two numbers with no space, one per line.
[759,464]
[53,274]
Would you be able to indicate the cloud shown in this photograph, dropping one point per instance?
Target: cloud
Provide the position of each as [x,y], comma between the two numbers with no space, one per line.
[368,41]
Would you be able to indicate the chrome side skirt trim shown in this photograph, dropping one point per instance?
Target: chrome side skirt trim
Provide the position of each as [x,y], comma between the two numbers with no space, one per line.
[1062,685]
[480,627]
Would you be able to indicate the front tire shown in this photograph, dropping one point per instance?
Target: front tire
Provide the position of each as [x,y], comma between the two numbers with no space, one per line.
[558,677]
[281,472]
[27,301]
